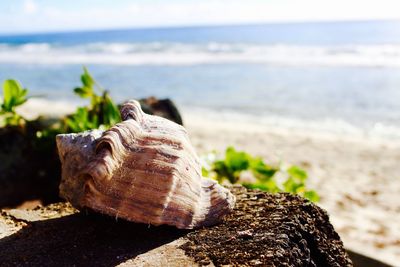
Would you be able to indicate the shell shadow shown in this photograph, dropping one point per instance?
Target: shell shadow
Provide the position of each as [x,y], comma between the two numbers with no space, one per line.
[82,240]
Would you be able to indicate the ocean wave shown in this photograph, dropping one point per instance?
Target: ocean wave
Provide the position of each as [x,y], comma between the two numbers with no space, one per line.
[158,53]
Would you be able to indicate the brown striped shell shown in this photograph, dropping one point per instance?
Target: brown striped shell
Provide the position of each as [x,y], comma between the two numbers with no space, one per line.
[143,169]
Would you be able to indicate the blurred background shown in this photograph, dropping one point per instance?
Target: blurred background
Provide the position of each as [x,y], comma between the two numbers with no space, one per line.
[312,82]
[331,65]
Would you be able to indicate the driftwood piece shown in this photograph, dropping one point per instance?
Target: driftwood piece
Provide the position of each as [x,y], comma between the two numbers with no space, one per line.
[264,229]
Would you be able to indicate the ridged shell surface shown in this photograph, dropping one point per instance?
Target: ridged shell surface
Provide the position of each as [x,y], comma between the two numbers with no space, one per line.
[143,169]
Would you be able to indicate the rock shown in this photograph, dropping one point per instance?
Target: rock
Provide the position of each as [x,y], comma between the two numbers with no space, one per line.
[161,107]
[270,230]
[263,230]
[29,167]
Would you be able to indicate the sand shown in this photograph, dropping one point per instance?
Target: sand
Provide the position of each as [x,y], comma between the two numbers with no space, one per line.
[356,176]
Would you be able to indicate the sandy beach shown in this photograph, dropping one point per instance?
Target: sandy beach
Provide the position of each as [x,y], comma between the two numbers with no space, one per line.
[357,178]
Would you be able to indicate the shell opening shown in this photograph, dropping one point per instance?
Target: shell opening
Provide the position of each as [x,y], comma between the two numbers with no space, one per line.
[103,146]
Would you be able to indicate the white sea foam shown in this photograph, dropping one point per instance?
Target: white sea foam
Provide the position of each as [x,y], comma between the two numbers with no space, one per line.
[157,53]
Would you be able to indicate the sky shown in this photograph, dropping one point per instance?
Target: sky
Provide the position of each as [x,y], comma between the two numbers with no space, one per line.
[29,16]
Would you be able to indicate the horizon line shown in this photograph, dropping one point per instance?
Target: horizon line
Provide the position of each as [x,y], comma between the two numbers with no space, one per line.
[205,25]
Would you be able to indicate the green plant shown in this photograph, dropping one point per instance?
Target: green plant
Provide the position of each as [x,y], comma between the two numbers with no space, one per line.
[13,96]
[263,176]
[102,111]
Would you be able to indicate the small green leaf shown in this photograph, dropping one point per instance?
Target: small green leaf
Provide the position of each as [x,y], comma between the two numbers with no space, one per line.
[289,185]
[297,173]
[21,97]
[235,160]
[87,79]
[84,92]
[262,170]
[9,88]
[222,171]
[111,113]
[312,196]
[13,95]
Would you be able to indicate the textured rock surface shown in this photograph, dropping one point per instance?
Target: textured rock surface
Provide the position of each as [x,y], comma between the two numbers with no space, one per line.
[264,229]
[270,230]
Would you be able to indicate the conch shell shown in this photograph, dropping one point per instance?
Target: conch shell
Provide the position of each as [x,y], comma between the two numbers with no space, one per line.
[143,169]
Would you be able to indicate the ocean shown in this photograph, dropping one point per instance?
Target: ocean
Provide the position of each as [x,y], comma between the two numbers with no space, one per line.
[341,77]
